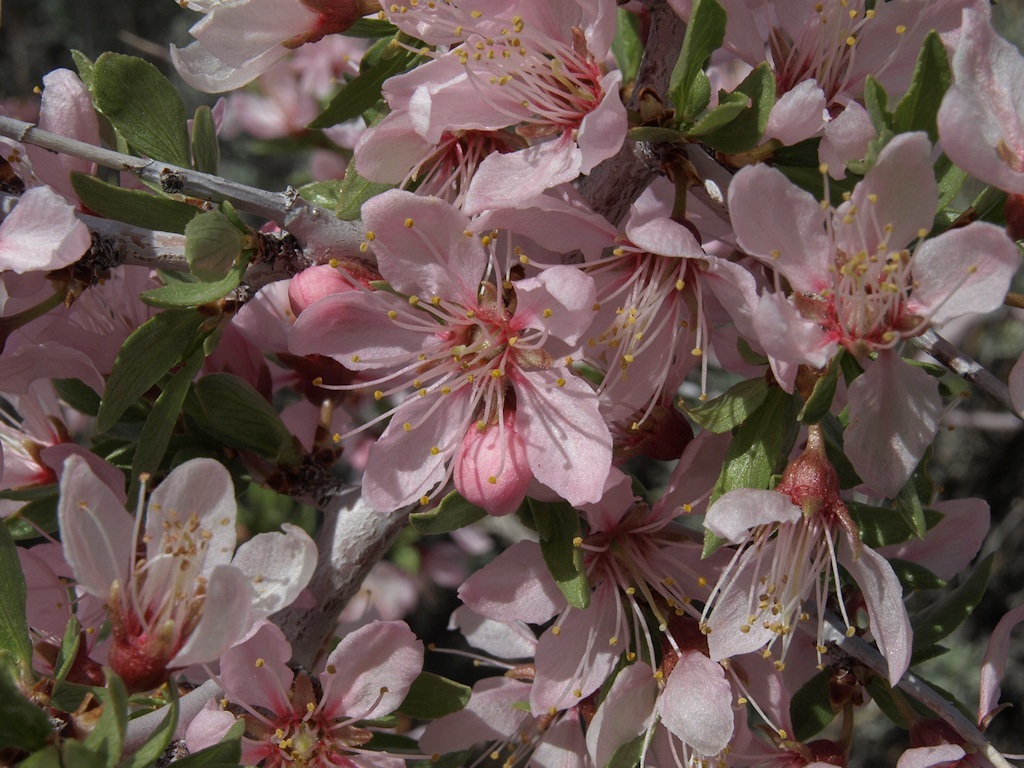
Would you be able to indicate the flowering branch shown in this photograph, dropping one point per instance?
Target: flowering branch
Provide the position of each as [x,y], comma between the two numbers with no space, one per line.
[616,183]
[866,654]
[964,367]
[319,230]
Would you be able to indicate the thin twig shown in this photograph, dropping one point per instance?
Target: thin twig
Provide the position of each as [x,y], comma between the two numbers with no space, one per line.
[323,235]
[857,648]
[616,183]
[964,367]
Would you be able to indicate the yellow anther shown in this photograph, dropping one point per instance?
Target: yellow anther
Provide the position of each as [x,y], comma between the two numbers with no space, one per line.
[408,223]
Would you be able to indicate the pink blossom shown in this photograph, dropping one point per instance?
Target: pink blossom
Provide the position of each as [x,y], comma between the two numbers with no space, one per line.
[517,65]
[367,676]
[192,596]
[790,538]
[237,40]
[468,350]
[642,571]
[822,52]
[865,277]
[655,291]
[981,120]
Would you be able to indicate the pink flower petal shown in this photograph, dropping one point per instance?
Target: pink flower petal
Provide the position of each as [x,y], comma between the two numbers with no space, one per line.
[740,510]
[41,234]
[567,441]
[993,666]
[906,400]
[963,271]
[227,617]
[369,673]
[422,247]
[782,225]
[515,586]
[491,715]
[97,533]
[256,673]
[696,704]
[201,487]
[279,565]
[883,596]
[574,663]
[507,179]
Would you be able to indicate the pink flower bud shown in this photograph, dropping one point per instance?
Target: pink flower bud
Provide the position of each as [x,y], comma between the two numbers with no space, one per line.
[313,284]
[491,469]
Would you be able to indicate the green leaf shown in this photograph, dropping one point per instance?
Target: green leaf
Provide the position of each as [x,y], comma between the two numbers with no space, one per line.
[107,737]
[758,450]
[156,432]
[820,401]
[950,179]
[14,638]
[875,100]
[22,723]
[559,526]
[889,700]
[364,90]
[195,293]
[229,409]
[627,47]
[38,515]
[144,358]
[47,757]
[228,751]
[371,28]
[432,696]
[881,526]
[133,206]
[628,755]
[322,194]
[68,651]
[919,107]
[143,106]
[654,133]
[908,505]
[742,130]
[212,246]
[151,751]
[84,66]
[78,395]
[729,106]
[810,709]
[356,190]
[914,576]
[205,148]
[80,756]
[949,611]
[732,407]
[452,513]
[704,35]
[760,446]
